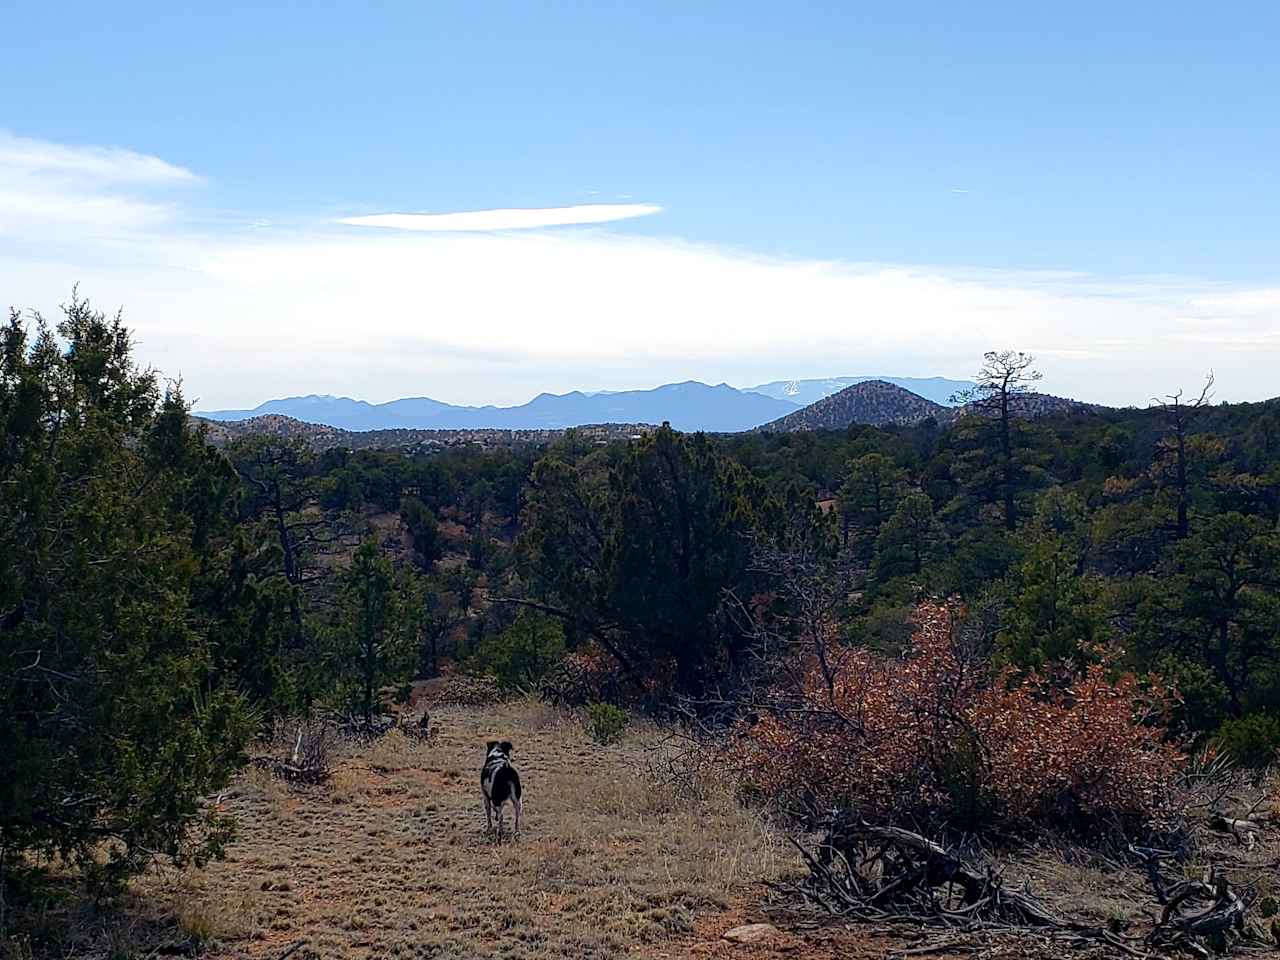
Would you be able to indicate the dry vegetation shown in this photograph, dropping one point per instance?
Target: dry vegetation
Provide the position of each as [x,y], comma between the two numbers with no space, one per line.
[390,858]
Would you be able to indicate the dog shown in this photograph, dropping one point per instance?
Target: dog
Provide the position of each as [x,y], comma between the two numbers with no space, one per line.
[500,784]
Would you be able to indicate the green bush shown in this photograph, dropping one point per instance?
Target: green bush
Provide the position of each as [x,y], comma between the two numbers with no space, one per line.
[606,722]
[1252,740]
[522,654]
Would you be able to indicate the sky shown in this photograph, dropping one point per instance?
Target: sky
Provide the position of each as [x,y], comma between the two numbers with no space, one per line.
[481,202]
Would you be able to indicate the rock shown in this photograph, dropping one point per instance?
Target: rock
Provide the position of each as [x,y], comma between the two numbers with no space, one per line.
[751,933]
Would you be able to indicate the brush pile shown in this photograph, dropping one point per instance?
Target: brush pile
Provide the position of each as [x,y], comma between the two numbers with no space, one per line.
[875,873]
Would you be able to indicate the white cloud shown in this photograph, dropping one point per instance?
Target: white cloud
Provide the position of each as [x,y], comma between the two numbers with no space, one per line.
[482,316]
[48,187]
[512,219]
[25,156]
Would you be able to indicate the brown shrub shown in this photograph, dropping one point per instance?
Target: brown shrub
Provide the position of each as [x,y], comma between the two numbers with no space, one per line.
[591,675]
[935,734]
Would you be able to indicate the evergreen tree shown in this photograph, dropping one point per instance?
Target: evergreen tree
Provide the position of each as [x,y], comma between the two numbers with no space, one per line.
[907,539]
[869,494]
[377,636]
[118,712]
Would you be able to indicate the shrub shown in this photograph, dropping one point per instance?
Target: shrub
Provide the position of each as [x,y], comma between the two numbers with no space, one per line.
[524,653]
[591,675]
[606,722]
[935,734]
[1252,740]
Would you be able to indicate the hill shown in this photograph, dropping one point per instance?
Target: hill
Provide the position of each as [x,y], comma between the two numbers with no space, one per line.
[321,436]
[875,402]
[804,392]
[688,406]
[1033,406]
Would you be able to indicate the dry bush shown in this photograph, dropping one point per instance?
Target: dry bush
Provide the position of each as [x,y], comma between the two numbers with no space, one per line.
[933,734]
[205,917]
[392,751]
[591,675]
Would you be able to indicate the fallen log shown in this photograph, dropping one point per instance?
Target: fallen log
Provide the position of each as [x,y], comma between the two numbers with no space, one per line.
[1245,832]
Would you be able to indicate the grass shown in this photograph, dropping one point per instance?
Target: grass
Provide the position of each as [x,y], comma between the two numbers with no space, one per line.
[619,854]
[391,858]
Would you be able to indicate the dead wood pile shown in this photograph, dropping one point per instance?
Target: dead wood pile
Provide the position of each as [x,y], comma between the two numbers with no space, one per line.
[883,874]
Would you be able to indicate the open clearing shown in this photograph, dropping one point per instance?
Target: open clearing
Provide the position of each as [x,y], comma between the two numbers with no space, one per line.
[392,859]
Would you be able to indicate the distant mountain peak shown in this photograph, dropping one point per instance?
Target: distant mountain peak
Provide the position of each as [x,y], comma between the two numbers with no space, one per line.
[804,392]
[874,402]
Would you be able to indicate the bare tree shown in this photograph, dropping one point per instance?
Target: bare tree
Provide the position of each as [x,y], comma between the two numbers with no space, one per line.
[1005,378]
[1178,416]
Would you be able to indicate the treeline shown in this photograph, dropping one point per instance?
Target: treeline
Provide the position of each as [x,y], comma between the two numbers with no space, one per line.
[161,601]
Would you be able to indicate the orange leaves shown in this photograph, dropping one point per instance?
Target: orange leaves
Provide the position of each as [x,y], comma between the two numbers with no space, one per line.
[917,735]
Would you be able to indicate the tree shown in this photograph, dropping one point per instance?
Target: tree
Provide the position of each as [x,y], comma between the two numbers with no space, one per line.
[441,613]
[522,654]
[908,537]
[377,635]
[1053,611]
[278,476]
[115,717]
[639,555]
[423,530]
[1002,383]
[1178,419]
[869,493]
[1228,589]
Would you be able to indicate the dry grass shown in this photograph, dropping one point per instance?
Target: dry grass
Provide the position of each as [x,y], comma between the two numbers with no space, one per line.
[391,858]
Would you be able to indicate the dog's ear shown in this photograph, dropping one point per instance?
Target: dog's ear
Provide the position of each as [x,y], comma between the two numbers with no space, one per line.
[488,747]
[506,746]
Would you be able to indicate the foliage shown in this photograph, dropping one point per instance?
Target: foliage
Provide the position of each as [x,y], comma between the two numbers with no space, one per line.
[423,530]
[1053,610]
[1251,741]
[119,579]
[638,556]
[908,538]
[606,722]
[524,653]
[935,734]
[375,639]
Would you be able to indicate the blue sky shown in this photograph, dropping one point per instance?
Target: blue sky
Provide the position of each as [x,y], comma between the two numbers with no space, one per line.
[1128,152]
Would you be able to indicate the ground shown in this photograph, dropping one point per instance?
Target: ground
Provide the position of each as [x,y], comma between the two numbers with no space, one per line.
[391,858]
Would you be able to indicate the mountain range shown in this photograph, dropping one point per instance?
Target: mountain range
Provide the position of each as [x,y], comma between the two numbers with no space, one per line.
[689,406]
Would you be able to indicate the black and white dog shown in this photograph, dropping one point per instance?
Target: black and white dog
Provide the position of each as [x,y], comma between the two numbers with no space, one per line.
[500,784]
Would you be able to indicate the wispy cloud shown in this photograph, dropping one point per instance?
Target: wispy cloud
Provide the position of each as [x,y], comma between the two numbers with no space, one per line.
[50,186]
[469,312]
[530,218]
[24,156]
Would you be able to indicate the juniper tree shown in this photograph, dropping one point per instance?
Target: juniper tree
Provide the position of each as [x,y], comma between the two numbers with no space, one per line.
[114,714]
[377,633]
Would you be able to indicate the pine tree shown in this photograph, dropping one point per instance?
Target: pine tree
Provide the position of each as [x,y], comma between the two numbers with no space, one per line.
[377,636]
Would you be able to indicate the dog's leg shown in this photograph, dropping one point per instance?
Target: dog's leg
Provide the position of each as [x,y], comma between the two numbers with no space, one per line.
[500,806]
[488,813]
[519,808]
